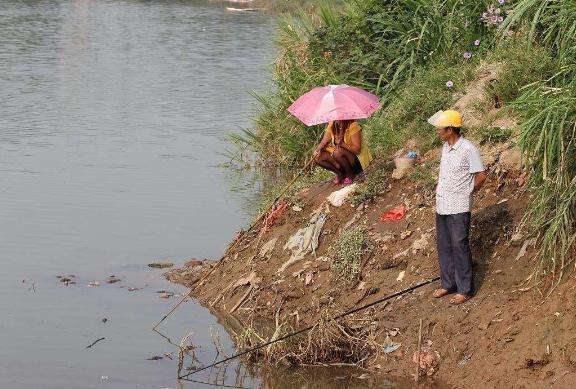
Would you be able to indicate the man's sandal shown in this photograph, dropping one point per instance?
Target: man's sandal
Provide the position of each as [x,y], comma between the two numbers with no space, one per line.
[459,299]
[440,293]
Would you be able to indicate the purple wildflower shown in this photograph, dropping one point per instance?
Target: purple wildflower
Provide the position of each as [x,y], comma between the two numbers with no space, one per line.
[509,33]
[477,42]
[501,1]
[497,11]
[449,83]
[467,55]
[500,19]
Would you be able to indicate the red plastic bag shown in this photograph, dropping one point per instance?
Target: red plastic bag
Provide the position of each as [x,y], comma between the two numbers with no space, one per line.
[397,213]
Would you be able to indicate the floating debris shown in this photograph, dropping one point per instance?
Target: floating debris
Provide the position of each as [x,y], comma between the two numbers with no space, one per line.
[93,284]
[160,265]
[112,279]
[93,343]
[165,294]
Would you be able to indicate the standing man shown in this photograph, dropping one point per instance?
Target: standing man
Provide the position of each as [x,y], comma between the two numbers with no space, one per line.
[461,174]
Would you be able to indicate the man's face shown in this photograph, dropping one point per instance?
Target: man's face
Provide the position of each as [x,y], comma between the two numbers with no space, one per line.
[444,133]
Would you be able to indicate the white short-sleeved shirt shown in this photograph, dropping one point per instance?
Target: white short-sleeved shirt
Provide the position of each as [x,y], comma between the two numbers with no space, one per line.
[458,165]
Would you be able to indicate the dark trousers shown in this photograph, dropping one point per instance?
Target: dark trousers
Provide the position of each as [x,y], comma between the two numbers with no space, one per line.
[454,254]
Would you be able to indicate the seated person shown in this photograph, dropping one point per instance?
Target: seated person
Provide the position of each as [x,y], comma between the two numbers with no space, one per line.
[343,151]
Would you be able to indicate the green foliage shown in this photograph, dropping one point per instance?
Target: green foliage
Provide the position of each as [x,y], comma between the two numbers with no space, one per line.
[406,114]
[548,139]
[381,44]
[491,134]
[522,64]
[346,253]
[550,23]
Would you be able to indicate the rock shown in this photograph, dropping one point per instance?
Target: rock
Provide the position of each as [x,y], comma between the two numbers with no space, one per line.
[524,248]
[322,266]
[401,275]
[511,158]
[405,234]
[383,238]
[516,239]
[420,244]
[193,263]
[160,265]
[292,294]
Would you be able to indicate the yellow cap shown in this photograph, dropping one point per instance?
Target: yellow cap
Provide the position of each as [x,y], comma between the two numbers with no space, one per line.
[448,118]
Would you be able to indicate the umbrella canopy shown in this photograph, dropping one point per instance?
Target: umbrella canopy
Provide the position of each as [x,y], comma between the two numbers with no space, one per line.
[334,102]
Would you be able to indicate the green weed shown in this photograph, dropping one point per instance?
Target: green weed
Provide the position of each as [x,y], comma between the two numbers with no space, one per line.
[548,139]
[346,253]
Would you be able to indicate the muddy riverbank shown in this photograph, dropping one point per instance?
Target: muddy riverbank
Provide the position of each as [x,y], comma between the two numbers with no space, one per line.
[506,336]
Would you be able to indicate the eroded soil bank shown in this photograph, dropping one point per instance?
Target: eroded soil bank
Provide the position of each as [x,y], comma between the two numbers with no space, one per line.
[507,336]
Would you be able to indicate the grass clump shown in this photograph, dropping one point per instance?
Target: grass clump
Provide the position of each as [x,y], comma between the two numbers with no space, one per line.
[491,134]
[349,340]
[522,64]
[548,139]
[346,253]
[375,183]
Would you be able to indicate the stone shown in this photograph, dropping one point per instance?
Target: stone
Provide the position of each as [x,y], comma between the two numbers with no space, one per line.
[517,239]
[323,266]
[193,263]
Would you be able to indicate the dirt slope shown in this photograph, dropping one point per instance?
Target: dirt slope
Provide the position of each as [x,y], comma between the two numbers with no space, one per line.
[507,336]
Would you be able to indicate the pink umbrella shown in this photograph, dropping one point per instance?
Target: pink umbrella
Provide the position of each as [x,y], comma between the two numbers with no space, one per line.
[334,102]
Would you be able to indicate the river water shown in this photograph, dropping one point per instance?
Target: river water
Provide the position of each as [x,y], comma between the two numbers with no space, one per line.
[112,123]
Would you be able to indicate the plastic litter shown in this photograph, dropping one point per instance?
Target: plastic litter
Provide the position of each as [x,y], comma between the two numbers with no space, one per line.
[338,197]
[390,346]
[305,240]
[394,214]
[275,214]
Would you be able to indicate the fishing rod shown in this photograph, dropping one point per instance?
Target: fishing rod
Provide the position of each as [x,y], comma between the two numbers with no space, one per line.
[388,297]
[237,240]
